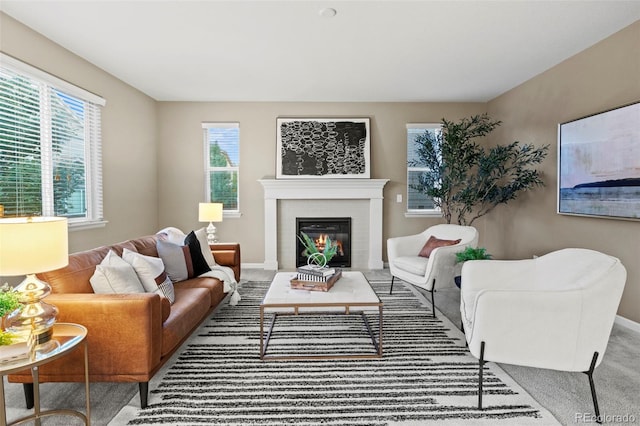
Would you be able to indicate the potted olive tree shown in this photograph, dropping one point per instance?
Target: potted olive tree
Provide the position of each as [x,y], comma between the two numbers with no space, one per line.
[467,180]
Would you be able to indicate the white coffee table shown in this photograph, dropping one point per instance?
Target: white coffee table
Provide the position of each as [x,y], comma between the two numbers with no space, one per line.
[352,293]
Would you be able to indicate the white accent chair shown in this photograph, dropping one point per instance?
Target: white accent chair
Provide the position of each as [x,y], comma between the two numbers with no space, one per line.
[555,311]
[423,272]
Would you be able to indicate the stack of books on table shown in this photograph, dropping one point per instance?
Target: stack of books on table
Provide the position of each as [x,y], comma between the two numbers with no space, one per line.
[13,353]
[315,273]
[315,278]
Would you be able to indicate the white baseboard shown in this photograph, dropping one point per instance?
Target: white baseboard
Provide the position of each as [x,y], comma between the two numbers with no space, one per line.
[252,265]
[632,325]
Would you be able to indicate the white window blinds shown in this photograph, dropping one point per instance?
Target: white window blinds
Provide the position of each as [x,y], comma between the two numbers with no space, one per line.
[417,200]
[222,164]
[50,153]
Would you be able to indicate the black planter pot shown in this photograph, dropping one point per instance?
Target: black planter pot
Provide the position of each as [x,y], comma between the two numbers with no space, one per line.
[458,281]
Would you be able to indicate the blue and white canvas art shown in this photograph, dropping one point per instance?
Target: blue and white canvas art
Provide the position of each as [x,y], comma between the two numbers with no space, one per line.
[599,164]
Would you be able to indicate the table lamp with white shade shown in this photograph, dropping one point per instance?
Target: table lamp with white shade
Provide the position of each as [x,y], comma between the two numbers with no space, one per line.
[210,212]
[30,245]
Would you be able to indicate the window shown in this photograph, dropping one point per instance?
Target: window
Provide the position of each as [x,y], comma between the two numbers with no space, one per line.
[222,164]
[418,202]
[49,146]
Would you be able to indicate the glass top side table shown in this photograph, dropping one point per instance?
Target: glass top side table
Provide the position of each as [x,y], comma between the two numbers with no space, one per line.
[67,337]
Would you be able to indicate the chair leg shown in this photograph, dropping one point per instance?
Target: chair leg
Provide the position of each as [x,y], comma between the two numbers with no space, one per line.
[144,392]
[28,394]
[593,386]
[433,299]
[391,289]
[480,370]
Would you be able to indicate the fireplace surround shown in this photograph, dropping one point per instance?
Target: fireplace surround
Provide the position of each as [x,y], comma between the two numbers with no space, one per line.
[367,191]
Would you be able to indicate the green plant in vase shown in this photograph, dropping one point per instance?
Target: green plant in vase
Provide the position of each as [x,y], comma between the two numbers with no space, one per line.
[8,303]
[6,338]
[312,252]
[472,253]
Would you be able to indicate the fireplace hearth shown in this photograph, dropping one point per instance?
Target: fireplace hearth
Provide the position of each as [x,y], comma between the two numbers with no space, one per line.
[337,229]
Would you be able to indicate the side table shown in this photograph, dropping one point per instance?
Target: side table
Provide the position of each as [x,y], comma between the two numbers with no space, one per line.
[67,337]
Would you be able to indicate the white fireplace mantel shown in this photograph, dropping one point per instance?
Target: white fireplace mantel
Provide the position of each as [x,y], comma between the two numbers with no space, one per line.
[322,189]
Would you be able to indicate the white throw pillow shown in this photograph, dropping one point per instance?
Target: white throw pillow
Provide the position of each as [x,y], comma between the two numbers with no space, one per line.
[152,274]
[201,234]
[114,275]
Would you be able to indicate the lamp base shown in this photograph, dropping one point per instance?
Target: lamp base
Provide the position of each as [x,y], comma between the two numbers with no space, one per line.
[33,321]
[211,234]
[46,346]
[42,337]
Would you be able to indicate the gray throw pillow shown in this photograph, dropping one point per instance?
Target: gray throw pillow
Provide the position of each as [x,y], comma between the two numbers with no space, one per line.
[182,261]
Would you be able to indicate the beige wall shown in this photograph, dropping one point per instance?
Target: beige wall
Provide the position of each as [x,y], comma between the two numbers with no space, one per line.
[602,77]
[181,162]
[129,136]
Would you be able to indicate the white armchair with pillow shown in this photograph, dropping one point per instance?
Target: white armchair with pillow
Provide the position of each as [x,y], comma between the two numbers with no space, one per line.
[428,258]
[555,311]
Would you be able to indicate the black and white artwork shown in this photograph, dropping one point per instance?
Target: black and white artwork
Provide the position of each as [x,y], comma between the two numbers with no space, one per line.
[323,148]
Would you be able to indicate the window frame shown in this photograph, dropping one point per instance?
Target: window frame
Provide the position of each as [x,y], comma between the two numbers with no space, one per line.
[92,140]
[227,213]
[436,211]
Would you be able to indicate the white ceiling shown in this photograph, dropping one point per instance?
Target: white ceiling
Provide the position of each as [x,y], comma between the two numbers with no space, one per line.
[431,51]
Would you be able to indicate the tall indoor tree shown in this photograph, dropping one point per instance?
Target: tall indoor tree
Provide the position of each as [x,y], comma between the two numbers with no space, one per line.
[467,180]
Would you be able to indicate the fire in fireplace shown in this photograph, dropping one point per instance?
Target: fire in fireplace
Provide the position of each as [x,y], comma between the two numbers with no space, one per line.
[337,229]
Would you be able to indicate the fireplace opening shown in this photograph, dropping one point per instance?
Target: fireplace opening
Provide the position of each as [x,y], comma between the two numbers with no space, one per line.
[337,229]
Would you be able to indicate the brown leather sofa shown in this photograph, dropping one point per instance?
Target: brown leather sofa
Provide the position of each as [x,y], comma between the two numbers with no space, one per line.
[130,336]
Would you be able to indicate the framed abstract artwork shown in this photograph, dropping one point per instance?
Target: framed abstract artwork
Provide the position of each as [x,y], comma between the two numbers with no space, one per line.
[599,164]
[311,148]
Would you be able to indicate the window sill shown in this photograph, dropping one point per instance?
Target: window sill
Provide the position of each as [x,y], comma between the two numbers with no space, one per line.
[430,213]
[231,215]
[81,226]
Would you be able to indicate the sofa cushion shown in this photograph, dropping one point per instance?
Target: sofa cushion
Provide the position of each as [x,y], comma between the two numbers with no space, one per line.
[214,285]
[74,278]
[416,265]
[118,248]
[152,274]
[189,309]
[433,243]
[114,275]
[224,274]
[146,245]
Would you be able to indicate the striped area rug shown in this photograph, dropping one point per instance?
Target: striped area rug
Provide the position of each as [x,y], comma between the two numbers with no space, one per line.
[426,374]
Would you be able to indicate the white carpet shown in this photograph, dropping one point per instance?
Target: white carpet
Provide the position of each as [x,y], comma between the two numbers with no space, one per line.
[426,374]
